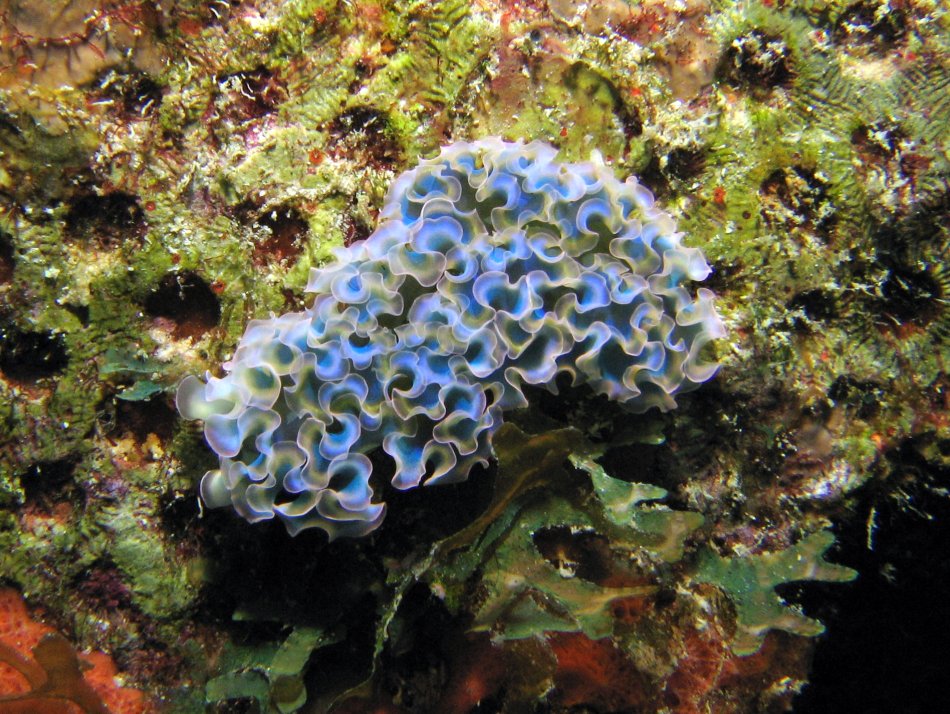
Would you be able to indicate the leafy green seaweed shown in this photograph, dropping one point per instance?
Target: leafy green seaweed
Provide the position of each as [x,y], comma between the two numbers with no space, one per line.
[521,593]
[750,582]
[271,674]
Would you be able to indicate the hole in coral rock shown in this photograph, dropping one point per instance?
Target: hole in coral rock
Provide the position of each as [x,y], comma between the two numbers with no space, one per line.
[584,554]
[795,200]
[48,485]
[593,87]
[141,95]
[29,356]
[136,93]
[629,610]
[251,94]
[107,221]
[722,276]
[818,305]
[283,232]
[865,396]
[875,25]
[630,120]
[633,462]
[684,162]
[915,288]
[142,419]
[363,136]
[881,140]
[287,235]
[187,302]
[757,60]
[914,296]
[80,312]
[6,257]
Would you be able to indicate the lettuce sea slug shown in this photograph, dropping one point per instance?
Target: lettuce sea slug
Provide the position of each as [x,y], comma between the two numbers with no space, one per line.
[493,266]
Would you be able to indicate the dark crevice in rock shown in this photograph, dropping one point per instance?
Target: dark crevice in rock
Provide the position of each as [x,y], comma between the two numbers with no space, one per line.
[185,301]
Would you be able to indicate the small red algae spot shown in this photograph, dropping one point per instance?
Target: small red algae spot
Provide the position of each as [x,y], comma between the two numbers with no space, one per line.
[315,156]
[563,131]
[218,287]
[150,205]
[719,196]
[189,27]
[636,92]
[26,66]
[506,17]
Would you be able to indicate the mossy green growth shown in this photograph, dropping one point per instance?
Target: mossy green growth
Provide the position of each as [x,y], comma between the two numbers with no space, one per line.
[444,42]
[750,580]
[161,585]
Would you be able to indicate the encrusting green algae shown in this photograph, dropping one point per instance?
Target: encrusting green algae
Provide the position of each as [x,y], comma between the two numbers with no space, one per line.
[170,172]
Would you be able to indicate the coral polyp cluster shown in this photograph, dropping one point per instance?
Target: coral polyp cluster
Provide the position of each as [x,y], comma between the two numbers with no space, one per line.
[494,266]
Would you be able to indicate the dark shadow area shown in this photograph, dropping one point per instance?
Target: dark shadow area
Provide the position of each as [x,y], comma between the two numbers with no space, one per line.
[187,301]
[29,356]
[887,641]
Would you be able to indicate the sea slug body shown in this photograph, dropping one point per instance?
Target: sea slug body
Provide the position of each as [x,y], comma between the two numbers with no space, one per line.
[493,266]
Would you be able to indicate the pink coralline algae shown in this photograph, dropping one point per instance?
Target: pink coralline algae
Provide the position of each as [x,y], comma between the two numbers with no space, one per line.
[494,266]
